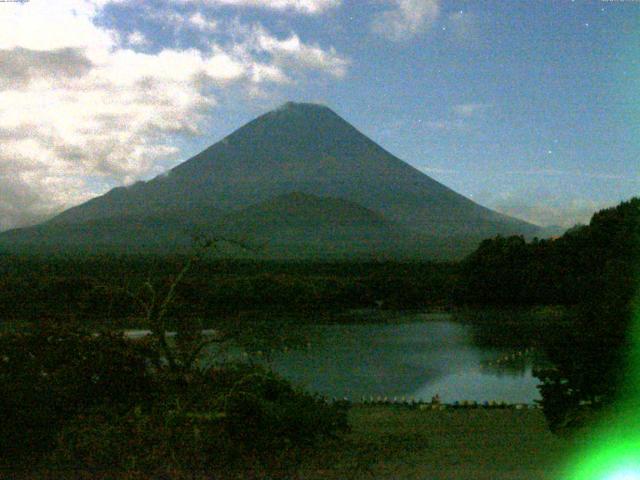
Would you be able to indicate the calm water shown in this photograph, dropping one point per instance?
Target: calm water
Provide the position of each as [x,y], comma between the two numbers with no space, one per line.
[424,355]
[430,355]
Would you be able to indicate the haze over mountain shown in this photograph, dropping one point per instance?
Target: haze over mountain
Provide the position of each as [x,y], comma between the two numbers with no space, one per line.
[300,178]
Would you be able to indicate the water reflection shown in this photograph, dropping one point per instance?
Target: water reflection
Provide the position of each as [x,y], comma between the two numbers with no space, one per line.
[431,355]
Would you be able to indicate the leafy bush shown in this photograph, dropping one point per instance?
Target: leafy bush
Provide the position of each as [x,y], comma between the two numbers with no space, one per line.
[151,441]
[587,364]
[265,413]
[51,375]
[227,420]
[78,402]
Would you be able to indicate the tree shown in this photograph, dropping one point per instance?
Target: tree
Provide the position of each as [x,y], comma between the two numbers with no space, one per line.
[589,359]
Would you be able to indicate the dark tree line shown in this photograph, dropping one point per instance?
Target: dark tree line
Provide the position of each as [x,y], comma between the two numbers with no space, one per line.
[592,268]
[99,290]
[568,270]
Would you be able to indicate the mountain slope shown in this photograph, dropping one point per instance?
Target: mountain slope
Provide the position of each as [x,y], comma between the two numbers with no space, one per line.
[297,225]
[158,232]
[303,148]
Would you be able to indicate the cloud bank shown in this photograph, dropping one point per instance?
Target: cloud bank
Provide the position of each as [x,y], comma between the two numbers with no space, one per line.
[309,7]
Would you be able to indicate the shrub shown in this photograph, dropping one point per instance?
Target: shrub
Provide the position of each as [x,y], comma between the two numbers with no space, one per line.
[49,376]
[230,420]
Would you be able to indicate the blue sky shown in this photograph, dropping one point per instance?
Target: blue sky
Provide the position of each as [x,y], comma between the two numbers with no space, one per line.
[528,107]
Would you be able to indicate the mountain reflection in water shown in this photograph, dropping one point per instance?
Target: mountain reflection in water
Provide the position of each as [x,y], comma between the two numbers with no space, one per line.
[432,355]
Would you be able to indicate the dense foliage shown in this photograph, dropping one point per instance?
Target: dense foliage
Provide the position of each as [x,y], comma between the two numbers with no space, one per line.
[49,377]
[594,268]
[567,270]
[74,401]
[101,289]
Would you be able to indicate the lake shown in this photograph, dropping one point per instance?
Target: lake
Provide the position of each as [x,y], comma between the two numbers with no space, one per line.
[415,356]
[424,355]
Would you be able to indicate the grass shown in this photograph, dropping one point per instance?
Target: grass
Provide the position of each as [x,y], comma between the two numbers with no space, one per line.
[397,443]
[400,443]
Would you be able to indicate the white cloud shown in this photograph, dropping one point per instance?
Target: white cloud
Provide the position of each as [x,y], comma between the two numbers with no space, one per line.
[22,67]
[562,212]
[406,18]
[293,53]
[461,117]
[308,7]
[202,23]
[137,39]
[44,25]
[81,109]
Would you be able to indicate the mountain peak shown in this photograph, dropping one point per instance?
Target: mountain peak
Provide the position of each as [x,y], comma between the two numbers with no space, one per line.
[300,109]
[290,105]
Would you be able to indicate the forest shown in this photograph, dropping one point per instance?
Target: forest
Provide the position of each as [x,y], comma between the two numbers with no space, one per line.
[102,290]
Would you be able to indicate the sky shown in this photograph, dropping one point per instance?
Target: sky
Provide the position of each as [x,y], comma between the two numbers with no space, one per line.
[527,107]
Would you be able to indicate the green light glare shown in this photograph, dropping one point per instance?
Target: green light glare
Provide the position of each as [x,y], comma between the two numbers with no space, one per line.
[610,459]
[612,452]
[625,474]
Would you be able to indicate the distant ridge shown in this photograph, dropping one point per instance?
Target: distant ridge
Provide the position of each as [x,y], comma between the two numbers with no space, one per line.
[294,162]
